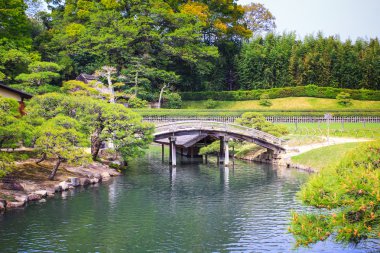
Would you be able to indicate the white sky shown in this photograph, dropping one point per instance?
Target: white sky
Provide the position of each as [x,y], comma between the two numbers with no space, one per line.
[346,18]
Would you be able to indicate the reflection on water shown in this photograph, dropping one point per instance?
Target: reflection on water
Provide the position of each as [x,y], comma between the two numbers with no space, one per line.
[154,208]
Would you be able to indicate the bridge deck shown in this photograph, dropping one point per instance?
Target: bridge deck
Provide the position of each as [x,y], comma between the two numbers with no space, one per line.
[234,130]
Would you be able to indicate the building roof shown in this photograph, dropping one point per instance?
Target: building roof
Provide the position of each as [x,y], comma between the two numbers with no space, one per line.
[21,93]
[89,77]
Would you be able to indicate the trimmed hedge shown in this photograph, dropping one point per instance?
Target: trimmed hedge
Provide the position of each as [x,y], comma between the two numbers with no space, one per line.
[297,91]
[237,113]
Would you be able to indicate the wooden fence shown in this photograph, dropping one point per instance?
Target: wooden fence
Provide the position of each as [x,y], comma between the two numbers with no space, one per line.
[274,119]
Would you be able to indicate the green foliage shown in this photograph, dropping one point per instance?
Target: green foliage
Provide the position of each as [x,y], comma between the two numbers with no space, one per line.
[9,106]
[264,100]
[13,129]
[351,191]
[15,26]
[172,100]
[13,62]
[42,89]
[98,120]
[344,99]
[211,103]
[40,73]
[126,131]
[78,88]
[59,138]
[212,148]
[258,121]
[282,60]
[135,102]
[7,164]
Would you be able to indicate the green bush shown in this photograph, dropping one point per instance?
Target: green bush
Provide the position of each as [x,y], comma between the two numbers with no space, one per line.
[264,100]
[258,121]
[344,99]
[6,164]
[172,101]
[42,89]
[135,102]
[350,191]
[211,103]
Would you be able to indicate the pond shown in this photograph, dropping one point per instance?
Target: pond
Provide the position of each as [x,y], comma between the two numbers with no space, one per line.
[195,208]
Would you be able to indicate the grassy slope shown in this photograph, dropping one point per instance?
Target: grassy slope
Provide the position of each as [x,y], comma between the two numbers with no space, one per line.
[291,103]
[325,156]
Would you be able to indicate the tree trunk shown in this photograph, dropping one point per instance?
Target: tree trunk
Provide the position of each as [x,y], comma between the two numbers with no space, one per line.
[43,158]
[110,86]
[160,98]
[136,82]
[96,142]
[52,175]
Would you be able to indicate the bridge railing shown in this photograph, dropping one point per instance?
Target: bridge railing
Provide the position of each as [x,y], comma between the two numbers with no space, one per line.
[218,126]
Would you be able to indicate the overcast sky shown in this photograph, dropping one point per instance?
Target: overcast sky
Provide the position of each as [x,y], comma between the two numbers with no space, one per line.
[346,18]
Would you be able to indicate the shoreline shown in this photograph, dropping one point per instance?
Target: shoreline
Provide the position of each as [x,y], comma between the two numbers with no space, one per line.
[17,193]
[300,149]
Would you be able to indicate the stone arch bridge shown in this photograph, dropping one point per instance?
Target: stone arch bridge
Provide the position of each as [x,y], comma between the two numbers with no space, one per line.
[188,136]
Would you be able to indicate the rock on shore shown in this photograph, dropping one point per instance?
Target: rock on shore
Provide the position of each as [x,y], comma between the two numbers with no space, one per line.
[21,191]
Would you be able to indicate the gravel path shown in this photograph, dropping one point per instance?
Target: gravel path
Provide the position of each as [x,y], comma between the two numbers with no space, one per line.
[293,151]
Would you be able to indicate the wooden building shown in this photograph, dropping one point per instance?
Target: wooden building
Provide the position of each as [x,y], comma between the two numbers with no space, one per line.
[20,96]
[86,78]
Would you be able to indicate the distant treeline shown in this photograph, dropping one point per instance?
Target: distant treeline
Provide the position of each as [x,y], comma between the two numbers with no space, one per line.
[282,60]
[170,46]
[298,91]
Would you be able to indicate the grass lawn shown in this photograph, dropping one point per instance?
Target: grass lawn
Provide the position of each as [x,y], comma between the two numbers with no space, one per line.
[357,130]
[325,156]
[291,103]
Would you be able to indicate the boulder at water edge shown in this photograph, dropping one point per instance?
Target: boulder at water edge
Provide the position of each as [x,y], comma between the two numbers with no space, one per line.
[3,204]
[34,197]
[64,186]
[42,193]
[84,181]
[15,204]
[75,181]
[14,186]
[105,176]
[21,198]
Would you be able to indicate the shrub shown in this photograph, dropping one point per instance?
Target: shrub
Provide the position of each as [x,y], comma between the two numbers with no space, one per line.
[264,100]
[312,90]
[78,88]
[258,121]
[135,102]
[6,164]
[344,99]
[350,191]
[211,103]
[172,101]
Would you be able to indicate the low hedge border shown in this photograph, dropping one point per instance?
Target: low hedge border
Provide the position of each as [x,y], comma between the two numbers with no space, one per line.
[236,113]
[298,91]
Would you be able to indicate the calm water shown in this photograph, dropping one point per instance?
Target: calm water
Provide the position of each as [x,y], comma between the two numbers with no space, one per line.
[197,208]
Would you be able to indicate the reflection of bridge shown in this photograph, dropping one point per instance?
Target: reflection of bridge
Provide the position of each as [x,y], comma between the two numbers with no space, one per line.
[190,135]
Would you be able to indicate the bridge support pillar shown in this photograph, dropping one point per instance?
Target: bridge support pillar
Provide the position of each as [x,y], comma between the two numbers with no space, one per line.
[172,151]
[162,152]
[226,153]
[221,150]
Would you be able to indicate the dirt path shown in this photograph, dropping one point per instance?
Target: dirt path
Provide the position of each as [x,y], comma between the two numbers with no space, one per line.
[293,151]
